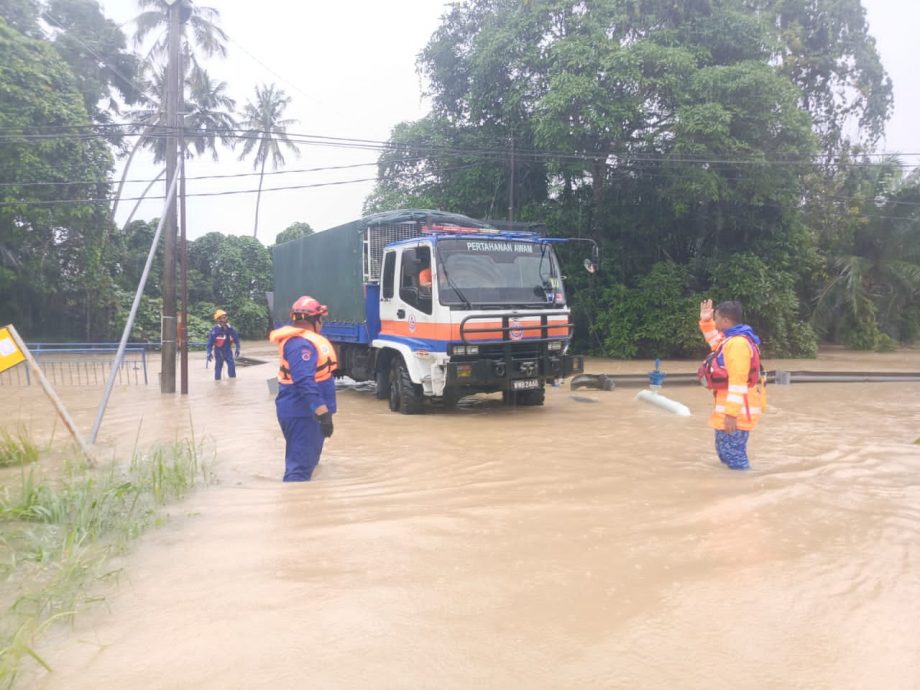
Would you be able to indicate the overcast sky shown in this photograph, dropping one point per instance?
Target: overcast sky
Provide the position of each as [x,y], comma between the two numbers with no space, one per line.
[349,68]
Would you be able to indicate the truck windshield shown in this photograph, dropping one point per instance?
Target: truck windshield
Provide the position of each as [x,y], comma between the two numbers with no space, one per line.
[498,272]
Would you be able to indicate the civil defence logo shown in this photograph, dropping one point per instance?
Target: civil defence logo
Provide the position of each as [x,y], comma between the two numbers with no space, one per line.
[517,328]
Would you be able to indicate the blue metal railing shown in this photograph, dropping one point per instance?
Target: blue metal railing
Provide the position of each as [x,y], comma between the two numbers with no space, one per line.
[63,364]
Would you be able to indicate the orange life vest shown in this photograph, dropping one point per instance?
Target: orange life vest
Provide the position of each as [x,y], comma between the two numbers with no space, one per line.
[326,362]
[714,375]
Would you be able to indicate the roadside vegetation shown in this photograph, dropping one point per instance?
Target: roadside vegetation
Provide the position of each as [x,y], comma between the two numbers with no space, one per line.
[58,536]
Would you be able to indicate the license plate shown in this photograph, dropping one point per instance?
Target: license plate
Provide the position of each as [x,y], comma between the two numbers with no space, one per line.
[525,385]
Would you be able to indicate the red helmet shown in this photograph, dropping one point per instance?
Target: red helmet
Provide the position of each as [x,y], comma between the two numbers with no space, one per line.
[306,307]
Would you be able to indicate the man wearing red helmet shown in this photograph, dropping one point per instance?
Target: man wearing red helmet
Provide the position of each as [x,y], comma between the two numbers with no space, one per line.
[306,390]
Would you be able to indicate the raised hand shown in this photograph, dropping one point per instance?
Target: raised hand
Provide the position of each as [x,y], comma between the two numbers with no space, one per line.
[706,312]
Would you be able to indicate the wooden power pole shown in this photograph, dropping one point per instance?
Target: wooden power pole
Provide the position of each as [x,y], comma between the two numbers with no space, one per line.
[168,324]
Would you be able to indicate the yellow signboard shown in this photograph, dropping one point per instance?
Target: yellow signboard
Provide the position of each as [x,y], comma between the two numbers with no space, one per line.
[10,354]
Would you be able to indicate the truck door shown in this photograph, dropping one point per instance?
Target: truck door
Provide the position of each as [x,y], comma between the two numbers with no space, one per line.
[407,303]
[388,306]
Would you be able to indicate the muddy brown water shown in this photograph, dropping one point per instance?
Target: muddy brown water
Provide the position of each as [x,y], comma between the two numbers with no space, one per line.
[593,542]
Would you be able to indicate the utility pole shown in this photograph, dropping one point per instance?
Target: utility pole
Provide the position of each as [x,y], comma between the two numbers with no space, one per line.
[168,324]
[183,249]
[511,181]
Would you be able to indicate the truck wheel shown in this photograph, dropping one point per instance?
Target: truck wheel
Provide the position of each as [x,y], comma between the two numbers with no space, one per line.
[405,396]
[382,377]
[524,398]
[531,398]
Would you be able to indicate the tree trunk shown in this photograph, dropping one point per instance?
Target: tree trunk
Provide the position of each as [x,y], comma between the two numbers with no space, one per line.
[255,227]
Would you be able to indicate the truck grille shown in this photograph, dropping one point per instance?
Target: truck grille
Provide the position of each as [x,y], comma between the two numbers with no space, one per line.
[519,349]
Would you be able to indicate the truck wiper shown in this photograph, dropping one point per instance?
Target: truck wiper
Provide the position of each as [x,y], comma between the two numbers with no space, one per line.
[459,293]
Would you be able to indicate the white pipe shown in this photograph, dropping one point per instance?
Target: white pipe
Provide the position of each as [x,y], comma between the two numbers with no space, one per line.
[665,403]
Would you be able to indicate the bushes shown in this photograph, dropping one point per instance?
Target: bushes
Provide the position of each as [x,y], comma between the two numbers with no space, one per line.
[658,317]
[770,302]
[251,320]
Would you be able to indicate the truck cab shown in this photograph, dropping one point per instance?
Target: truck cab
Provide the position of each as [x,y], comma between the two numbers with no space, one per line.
[464,311]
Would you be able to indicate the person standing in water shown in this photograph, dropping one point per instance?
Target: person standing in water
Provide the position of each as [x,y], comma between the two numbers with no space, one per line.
[733,373]
[306,390]
[223,343]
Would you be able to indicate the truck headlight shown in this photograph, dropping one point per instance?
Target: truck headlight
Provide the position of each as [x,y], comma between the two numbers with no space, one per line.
[464,349]
[555,346]
[472,349]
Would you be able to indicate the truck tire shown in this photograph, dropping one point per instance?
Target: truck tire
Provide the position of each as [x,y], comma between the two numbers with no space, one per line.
[532,398]
[405,396]
[382,377]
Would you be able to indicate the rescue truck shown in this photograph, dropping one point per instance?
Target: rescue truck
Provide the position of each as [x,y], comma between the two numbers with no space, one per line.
[434,305]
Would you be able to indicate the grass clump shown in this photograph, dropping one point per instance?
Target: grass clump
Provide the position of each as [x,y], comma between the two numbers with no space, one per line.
[16,449]
[56,537]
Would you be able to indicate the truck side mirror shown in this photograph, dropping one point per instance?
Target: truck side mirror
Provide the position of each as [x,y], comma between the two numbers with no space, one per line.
[593,264]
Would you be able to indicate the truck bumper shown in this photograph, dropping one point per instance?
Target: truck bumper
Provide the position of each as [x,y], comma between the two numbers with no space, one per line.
[499,374]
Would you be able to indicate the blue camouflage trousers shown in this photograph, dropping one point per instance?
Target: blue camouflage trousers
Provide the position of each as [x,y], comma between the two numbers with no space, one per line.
[732,449]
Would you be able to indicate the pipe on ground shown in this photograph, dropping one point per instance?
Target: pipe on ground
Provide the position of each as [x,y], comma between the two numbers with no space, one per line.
[663,402]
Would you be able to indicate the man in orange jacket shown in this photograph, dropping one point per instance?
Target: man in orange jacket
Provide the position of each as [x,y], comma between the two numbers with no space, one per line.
[733,373]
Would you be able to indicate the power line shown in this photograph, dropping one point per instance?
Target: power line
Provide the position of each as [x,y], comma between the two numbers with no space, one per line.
[307,139]
[196,177]
[106,200]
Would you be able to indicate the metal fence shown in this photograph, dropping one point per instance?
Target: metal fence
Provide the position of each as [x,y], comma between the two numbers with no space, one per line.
[81,364]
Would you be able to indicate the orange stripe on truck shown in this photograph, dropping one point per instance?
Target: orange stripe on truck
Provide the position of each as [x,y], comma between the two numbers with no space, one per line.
[447,331]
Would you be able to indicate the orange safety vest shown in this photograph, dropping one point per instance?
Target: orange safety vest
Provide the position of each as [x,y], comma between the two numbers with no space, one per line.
[326,362]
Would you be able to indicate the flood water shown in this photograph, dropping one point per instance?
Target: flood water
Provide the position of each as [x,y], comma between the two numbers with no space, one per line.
[594,542]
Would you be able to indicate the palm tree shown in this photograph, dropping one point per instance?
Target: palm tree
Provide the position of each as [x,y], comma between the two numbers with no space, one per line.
[269,131]
[208,114]
[208,118]
[211,39]
[200,21]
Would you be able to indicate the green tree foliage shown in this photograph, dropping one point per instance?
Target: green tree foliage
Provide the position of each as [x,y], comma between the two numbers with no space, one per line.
[871,290]
[233,273]
[22,15]
[95,49]
[825,48]
[293,231]
[658,128]
[52,258]
[651,318]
